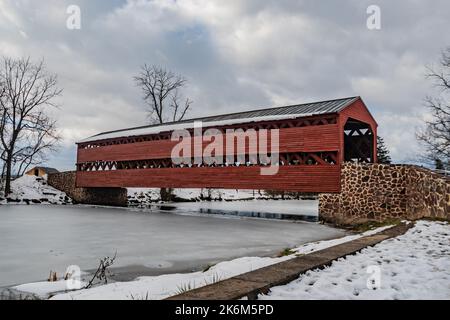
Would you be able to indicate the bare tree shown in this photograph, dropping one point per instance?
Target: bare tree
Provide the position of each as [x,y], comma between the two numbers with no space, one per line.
[161,90]
[2,150]
[436,135]
[26,131]
[103,271]
[36,145]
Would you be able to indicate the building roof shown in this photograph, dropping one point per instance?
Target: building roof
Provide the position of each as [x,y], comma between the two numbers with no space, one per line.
[278,113]
[46,169]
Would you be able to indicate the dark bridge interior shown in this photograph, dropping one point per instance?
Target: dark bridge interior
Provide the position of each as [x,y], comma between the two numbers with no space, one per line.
[358,142]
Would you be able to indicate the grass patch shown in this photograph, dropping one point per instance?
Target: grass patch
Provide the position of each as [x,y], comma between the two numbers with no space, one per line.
[286,252]
[215,278]
[185,287]
[370,225]
[138,297]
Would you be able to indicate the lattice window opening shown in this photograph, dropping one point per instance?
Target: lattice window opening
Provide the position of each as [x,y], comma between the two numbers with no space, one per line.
[358,132]
[285,159]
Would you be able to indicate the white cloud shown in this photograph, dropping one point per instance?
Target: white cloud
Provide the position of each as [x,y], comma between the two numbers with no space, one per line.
[8,16]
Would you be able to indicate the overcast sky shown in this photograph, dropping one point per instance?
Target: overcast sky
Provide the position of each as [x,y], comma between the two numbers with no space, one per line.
[237,55]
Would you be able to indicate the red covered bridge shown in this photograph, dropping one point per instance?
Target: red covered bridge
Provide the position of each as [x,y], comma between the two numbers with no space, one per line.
[315,138]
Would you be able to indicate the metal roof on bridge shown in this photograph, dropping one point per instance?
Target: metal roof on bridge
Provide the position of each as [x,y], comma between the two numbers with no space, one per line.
[277,113]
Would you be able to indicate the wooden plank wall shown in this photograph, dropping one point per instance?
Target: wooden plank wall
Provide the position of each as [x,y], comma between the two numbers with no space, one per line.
[305,139]
[296,178]
[289,178]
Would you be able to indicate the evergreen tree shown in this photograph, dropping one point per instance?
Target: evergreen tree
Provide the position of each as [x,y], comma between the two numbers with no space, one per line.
[383,153]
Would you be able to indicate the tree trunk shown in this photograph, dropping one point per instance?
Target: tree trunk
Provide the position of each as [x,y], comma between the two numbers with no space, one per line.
[166,194]
[8,175]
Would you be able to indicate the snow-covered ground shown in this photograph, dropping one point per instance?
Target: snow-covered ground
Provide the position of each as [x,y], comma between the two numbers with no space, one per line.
[415,265]
[412,266]
[147,196]
[160,287]
[34,190]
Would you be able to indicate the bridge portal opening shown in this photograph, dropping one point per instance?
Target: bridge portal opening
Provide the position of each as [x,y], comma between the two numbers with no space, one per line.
[359,141]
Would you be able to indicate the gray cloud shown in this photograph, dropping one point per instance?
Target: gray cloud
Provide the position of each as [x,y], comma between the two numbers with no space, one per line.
[236,54]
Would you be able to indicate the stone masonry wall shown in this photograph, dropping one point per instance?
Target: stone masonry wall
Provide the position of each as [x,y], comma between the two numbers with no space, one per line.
[66,181]
[376,192]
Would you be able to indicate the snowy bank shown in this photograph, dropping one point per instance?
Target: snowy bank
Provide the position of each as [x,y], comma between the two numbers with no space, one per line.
[415,265]
[147,196]
[42,289]
[34,190]
[160,287]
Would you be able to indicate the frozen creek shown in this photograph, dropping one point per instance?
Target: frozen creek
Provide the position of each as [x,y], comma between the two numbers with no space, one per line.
[37,239]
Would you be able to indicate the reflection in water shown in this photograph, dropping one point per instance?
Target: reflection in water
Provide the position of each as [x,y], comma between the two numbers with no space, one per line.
[263,210]
[264,215]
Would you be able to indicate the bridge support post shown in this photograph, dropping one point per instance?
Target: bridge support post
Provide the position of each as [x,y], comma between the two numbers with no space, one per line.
[66,182]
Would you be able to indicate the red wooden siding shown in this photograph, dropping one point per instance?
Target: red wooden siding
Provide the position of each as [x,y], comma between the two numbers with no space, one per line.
[306,139]
[126,161]
[289,178]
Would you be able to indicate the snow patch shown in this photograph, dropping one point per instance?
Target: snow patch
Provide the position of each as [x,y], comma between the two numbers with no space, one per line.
[147,196]
[45,289]
[34,190]
[164,286]
[415,265]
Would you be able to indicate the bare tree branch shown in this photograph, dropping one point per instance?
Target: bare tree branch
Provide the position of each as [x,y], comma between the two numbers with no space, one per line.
[102,273]
[161,92]
[436,134]
[26,132]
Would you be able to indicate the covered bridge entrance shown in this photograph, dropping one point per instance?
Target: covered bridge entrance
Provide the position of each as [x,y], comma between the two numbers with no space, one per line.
[314,139]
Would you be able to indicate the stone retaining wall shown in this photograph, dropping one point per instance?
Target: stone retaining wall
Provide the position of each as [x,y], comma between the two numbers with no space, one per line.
[376,192]
[66,181]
